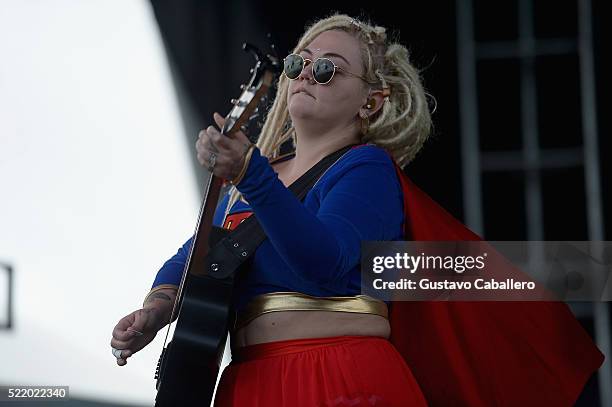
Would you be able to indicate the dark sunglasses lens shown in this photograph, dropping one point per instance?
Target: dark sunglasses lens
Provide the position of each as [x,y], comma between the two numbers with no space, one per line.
[323,70]
[293,66]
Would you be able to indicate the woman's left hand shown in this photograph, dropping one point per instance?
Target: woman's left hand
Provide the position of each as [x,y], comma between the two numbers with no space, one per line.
[224,153]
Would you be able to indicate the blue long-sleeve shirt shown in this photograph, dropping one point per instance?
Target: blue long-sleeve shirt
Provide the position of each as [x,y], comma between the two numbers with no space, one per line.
[312,247]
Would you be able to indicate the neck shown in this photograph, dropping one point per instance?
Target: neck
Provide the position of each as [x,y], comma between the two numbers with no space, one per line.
[315,144]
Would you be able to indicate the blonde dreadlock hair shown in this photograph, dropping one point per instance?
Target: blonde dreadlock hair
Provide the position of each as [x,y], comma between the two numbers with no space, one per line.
[401,126]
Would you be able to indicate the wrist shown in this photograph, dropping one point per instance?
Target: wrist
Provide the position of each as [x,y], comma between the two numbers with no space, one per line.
[158,317]
[245,165]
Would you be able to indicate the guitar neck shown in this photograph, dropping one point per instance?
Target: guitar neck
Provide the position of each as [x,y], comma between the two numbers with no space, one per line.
[196,261]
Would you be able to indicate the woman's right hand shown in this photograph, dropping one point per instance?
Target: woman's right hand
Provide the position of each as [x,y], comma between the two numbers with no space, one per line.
[134,331]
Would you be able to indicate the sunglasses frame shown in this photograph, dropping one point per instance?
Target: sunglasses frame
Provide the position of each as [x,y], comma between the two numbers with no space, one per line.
[336,67]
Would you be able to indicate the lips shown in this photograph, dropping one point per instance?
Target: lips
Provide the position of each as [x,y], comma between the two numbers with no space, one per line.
[302,90]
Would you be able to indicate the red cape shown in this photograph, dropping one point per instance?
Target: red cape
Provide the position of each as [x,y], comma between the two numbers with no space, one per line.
[486,353]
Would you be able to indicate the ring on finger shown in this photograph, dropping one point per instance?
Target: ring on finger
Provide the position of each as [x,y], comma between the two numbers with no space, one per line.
[212,160]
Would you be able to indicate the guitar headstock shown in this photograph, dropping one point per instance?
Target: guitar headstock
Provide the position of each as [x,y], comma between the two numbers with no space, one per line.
[263,74]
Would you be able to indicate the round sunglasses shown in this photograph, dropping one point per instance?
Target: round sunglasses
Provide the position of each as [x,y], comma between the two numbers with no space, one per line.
[323,69]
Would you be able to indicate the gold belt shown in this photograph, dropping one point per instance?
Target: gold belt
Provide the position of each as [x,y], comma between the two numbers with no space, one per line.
[294,301]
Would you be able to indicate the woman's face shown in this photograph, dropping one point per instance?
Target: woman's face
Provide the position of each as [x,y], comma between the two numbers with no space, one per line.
[337,103]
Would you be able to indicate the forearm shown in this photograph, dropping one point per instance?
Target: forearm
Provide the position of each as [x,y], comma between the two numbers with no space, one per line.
[298,236]
[324,245]
[160,300]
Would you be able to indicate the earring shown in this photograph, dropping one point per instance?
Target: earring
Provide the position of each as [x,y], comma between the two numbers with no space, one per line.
[371,104]
[365,123]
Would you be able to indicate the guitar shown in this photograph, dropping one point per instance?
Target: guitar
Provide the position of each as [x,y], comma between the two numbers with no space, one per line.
[189,364]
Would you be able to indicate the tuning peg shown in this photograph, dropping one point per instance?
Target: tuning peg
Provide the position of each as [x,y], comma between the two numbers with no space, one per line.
[259,56]
[233,101]
[272,46]
[242,86]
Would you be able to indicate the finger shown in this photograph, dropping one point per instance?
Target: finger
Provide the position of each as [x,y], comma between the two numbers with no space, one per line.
[140,322]
[240,144]
[124,335]
[121,362]
[208,139]
[125,321]
[220,120]
[117,344]
[235,133]
[120,332]
[204,141]
[201,137]
[199,144]
[204,157]
[240,137]
[136,333]
[218,140]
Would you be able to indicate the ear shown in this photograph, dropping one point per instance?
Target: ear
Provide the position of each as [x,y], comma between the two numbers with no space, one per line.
[374,102]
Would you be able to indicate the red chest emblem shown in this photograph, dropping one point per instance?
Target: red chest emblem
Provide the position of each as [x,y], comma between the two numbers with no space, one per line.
[235,219]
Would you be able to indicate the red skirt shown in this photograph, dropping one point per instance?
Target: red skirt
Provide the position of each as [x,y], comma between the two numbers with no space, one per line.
[338,371]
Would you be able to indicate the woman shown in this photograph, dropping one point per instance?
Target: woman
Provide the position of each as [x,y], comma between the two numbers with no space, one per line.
[314,247]
[344,84]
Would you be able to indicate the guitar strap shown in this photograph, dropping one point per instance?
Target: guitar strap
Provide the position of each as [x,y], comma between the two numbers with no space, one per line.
[234,248]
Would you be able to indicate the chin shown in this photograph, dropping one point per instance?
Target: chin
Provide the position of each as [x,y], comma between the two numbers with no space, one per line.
[301,109]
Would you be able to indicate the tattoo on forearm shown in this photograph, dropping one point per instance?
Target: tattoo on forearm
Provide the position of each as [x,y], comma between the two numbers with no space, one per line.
[161,296]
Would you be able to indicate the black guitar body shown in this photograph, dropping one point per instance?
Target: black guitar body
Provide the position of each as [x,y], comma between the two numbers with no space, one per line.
[188,367]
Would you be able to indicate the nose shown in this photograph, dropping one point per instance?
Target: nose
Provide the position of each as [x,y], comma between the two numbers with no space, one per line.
[306,72]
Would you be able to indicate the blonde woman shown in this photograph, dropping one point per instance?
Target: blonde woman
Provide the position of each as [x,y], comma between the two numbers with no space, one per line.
[344,84]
